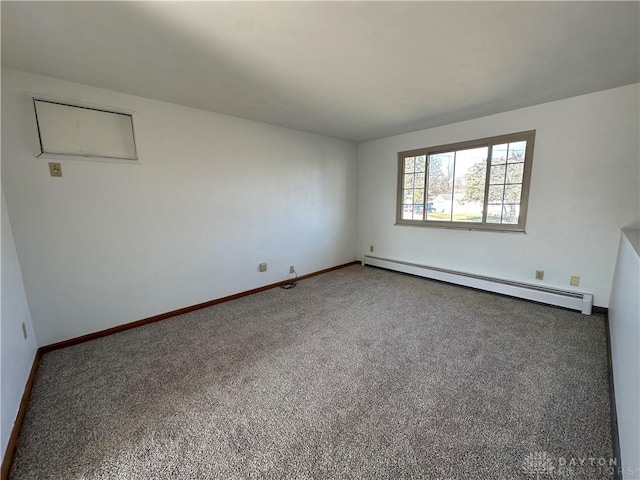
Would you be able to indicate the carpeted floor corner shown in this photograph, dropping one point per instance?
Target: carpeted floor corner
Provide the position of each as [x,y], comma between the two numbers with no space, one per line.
[359,373]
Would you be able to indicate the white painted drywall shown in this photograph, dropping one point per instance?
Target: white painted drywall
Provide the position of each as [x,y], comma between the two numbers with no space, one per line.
[17,353]
[212,197]
[624,324]
[584,188]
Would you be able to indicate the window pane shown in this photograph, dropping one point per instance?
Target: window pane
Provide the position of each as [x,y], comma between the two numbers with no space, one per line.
[441,173]
[440,215]
[418,196]
[514,172]
[407,212]
[469,182]
[512,193]
[516,151]
[495,193]
[413,188]
[497,174]
[494,213]
[466,211]
[510,214]
[408,164]
[412,212]
[440,187]
[408,181]
[499,154]
[418,213]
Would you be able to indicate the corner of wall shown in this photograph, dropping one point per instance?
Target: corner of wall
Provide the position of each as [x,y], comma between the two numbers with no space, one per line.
[17,352]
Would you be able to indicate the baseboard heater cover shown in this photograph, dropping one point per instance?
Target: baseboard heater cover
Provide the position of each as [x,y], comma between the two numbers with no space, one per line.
[580,301]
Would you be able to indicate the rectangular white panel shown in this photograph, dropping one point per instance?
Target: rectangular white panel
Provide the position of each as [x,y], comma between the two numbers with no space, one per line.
[82,131]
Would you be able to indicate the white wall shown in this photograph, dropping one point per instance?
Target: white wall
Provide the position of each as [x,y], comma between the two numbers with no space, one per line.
[111,243]
[584,188]
[624,324]
[17,353]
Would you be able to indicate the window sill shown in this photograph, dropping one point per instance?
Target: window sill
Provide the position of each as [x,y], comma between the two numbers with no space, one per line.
[458,226]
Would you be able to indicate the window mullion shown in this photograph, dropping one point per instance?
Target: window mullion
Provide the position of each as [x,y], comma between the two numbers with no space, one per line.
[453,182]
[504,183]
[426,183]
[486,184]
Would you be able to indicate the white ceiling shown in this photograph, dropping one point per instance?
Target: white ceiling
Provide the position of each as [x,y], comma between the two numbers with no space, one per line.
[354,70]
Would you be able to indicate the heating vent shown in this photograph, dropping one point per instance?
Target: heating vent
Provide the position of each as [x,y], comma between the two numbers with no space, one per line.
[562,298]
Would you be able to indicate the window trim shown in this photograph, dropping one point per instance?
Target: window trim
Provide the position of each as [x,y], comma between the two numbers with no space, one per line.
[528,136]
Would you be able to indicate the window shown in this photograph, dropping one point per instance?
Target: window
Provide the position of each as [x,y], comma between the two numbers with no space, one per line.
[76,131]
[476,185]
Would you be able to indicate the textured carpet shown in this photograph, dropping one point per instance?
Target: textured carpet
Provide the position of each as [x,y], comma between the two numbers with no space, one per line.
[358,373]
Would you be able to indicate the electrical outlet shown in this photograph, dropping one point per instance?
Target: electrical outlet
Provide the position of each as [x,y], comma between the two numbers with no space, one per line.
[24,330]
[55,169]
[575,281]
[292,269]
[371,248]
[539,274]
[262,267]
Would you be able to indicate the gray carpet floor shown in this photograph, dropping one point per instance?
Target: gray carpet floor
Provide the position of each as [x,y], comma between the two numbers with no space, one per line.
[358,373]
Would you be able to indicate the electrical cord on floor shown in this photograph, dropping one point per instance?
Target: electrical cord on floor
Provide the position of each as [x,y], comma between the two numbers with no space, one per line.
[287,286]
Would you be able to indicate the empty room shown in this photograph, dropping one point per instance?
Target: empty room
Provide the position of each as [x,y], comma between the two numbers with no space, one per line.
[320,240]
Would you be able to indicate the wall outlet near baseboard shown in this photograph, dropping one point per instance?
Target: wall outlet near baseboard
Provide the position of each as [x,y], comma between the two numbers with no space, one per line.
[575,281]
[539,274]
[292,269]
[24,330]
[371,248]
[262,267]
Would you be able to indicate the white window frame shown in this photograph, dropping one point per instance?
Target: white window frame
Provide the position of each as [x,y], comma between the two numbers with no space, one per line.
[520,227]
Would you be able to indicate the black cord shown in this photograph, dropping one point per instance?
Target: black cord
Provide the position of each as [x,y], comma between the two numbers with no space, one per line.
[292,284]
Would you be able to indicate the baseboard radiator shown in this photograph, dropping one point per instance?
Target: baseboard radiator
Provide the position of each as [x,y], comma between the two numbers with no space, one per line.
[562,298]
